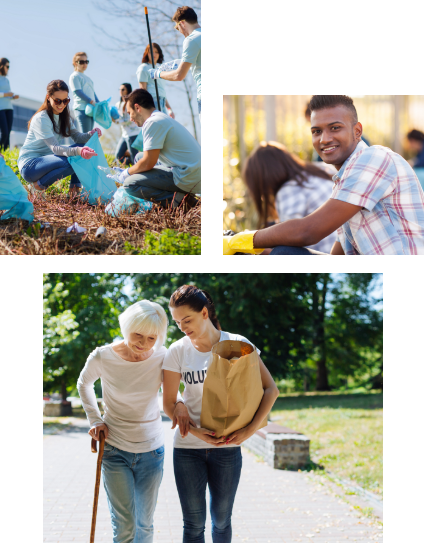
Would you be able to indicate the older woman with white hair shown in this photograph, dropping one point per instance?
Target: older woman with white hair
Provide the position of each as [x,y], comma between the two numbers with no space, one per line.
[131,375]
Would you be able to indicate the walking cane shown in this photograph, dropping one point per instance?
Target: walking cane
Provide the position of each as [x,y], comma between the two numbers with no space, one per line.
[97,486]
[152,55]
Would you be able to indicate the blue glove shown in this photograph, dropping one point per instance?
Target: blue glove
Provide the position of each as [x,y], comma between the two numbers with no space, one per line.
[155,74]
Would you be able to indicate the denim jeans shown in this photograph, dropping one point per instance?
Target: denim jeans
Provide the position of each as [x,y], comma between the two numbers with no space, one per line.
[123,145]
[6,121]
[286,250]
[132,485]
[46,170]
[83,121]
[196,468]
[156,185]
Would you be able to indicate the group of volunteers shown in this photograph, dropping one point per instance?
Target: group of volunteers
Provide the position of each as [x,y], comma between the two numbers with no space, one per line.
[168,168]
[360,200]
[131,373]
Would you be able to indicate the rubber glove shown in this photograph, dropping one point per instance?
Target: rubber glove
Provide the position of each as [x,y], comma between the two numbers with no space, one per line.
[87,153]
[227,250]
[243,243]
[99,132]
[155,74]
[123,175]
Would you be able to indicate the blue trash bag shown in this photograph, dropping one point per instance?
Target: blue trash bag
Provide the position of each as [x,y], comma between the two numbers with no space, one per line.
[101,114]
[89,108]
[94,180]
[138,142]
[125,203]
[114,113]
[13,196]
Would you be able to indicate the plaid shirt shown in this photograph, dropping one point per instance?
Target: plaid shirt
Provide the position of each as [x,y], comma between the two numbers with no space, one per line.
[391,221]
[294,201]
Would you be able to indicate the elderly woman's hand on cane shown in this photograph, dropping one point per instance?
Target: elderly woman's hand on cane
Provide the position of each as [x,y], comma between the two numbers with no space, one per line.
[95,431]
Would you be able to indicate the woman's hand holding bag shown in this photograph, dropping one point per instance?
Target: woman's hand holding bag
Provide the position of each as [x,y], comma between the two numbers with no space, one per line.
[95,431]
[207,435]
[237,437]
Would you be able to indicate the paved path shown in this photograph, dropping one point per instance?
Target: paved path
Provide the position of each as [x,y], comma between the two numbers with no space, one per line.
[272,506]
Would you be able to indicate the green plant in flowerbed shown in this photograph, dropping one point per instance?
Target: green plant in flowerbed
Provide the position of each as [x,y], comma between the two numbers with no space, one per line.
[346,432]
[168,242]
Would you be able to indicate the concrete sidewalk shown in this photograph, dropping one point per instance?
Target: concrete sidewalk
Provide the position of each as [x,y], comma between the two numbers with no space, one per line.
[271,506]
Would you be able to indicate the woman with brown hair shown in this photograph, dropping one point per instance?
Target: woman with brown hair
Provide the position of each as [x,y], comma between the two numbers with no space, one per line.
[200,459]
[145,81]
[43,159]
[285,187]
[6,106]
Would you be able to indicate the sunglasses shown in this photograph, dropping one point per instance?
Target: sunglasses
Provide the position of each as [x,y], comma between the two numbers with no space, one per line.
[58,102]
[177,26]
[83,61]
[7,66]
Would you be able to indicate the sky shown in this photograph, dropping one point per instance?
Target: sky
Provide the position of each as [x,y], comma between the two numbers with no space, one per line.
[40,38]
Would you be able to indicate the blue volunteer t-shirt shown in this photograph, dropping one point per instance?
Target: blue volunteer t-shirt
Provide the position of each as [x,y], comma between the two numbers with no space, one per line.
[5,101]
[178,149]
[80,81]
[144,77]
[192,54]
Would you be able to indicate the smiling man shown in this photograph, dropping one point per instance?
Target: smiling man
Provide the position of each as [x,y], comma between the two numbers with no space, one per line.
[377,204]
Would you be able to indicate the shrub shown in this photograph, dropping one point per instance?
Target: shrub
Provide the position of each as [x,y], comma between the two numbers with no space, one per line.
[168,242]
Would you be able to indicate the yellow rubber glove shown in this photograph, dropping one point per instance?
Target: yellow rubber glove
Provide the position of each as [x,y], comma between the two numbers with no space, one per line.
[227,250]
[243,243]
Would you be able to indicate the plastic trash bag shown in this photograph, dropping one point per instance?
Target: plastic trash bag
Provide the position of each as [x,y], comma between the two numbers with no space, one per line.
[13,196]
[125,203]
[170,66]
[101,114]
[94,180]
[89,109]
[114,113]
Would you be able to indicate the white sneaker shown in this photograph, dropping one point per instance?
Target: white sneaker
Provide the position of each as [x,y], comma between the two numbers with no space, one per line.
[34,192]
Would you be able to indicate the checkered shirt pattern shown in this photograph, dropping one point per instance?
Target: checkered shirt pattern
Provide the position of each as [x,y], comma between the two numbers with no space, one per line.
[391,221]
[294,201]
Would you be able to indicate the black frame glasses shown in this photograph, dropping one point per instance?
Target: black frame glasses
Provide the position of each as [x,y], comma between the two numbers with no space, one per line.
[83,61]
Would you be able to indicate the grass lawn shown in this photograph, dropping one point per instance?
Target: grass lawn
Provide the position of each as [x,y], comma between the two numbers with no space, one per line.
[346,432]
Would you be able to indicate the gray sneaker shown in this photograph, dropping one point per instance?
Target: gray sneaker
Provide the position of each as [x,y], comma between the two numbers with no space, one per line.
[34,192]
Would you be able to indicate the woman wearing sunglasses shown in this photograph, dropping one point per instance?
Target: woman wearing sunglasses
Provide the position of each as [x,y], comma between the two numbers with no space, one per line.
[6,106]
[83,93]
[43,159]
[145,81]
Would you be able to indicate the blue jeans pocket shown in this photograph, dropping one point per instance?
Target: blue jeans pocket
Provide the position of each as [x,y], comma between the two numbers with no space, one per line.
[109,450]
[158,453]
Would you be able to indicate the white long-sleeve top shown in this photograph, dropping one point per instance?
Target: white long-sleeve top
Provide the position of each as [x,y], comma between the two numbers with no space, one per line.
[130,396]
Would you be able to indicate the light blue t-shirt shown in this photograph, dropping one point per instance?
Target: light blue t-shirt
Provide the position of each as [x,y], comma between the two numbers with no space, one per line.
[41,128]
[144,77]
[191,53]
[178,149]
[5,102]
[80,81]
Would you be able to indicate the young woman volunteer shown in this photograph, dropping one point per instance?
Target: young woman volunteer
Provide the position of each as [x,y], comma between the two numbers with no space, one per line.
[200,459]
[129,130]
[147,83]
[6,106]
[82,88]
[43,159]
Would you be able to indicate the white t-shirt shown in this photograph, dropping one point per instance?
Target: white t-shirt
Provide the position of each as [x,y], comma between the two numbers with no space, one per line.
[130,396]
[185,359]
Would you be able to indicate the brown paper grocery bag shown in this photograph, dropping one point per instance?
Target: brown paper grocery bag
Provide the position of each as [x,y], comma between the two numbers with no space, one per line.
[232,390]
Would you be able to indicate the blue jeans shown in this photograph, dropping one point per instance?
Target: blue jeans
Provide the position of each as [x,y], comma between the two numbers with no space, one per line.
[46,170]
[286,250]
[6,121]
[123,145]
[196,468]
[156,185]
[132,485]
[84,122]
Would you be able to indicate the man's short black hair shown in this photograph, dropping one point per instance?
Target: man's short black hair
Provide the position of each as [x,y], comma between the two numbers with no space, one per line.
[141,97]
[415,135]
[325,101]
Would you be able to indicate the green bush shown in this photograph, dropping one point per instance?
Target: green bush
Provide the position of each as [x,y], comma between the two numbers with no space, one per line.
[168,242]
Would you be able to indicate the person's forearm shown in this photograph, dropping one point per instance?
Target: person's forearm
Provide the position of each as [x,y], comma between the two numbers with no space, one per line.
[80,137]
[175,75]
[143,165]
[291,232]
[82,95]
[268,400]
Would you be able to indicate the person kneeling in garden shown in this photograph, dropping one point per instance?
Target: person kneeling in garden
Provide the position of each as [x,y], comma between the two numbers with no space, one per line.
[164,139]
[43,158]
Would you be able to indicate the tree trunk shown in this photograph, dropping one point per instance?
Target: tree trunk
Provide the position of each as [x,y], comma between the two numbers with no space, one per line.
[64,391]
[318,304]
